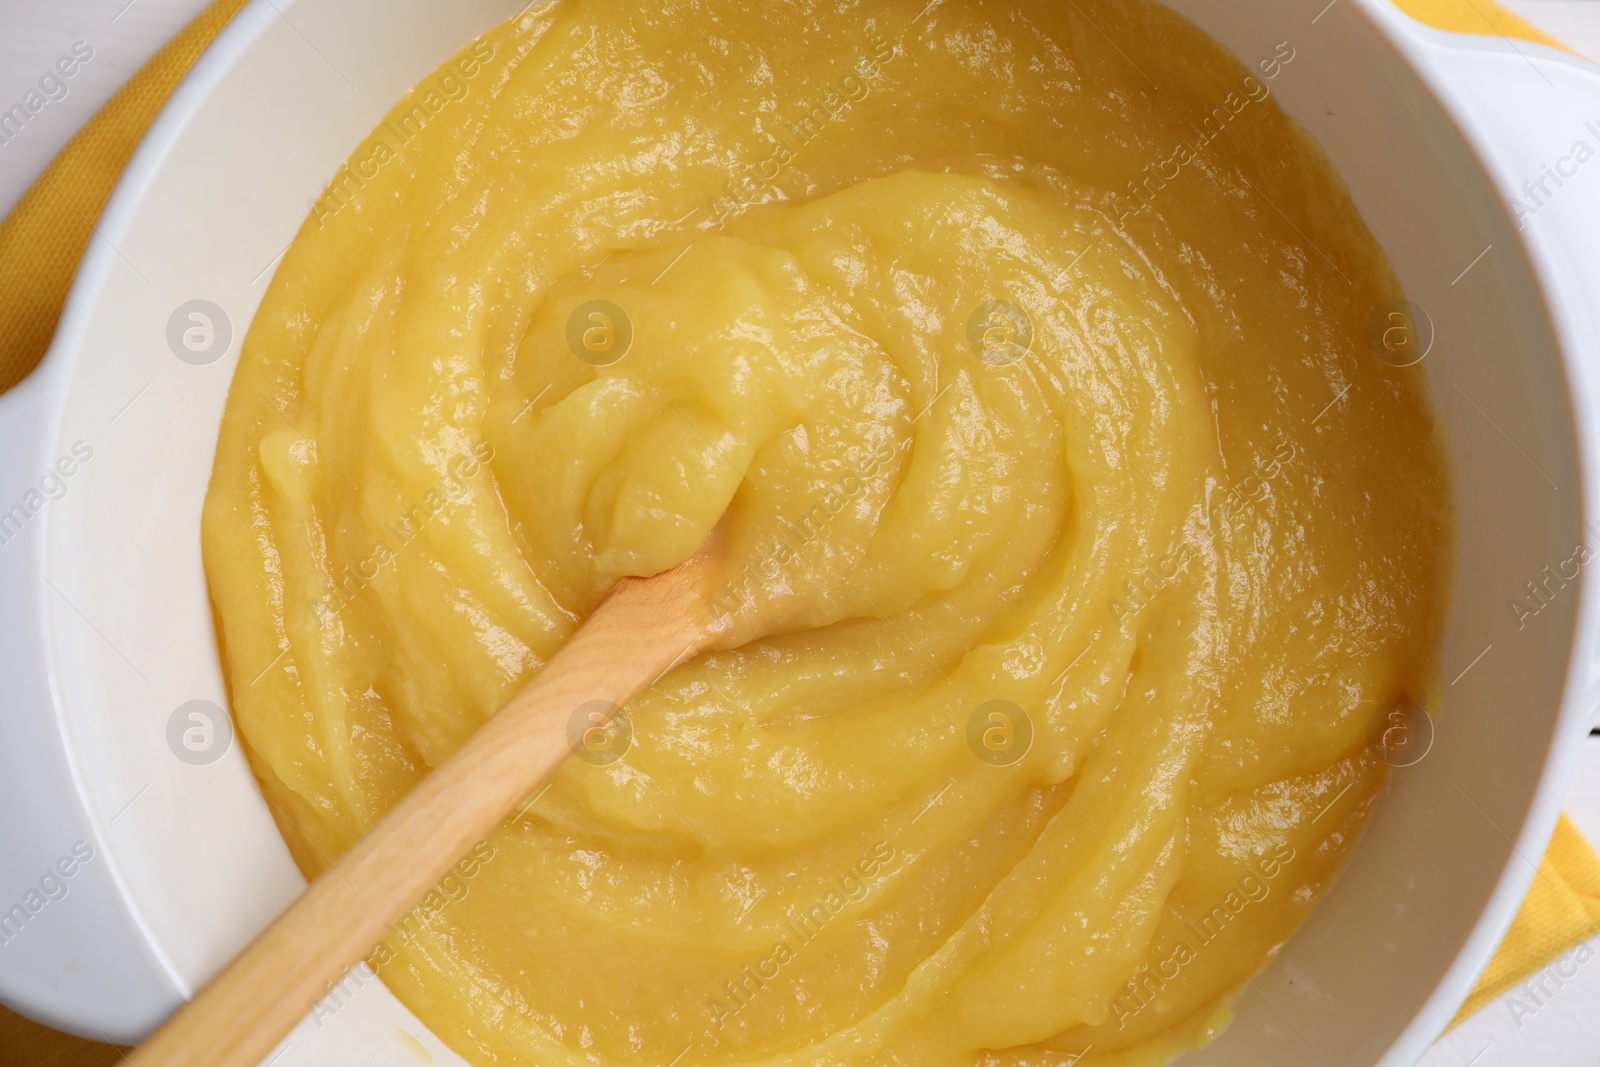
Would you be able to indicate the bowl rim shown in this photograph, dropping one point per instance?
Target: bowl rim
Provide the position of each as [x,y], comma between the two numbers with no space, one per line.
[1405,34]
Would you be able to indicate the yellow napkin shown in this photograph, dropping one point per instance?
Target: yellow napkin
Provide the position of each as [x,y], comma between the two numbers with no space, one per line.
[44,237]
[1561,911]
[1474,16]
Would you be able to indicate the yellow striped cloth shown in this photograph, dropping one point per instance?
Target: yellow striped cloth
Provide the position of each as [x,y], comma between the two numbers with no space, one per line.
[45,235]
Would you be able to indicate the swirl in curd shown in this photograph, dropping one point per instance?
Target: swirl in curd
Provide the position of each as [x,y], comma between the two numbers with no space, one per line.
[1022,351]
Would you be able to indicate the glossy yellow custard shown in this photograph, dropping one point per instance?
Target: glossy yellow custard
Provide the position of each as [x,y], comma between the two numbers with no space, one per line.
[1028,350]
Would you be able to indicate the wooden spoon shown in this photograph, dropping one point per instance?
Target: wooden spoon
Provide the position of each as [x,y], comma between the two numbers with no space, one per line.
[643,628]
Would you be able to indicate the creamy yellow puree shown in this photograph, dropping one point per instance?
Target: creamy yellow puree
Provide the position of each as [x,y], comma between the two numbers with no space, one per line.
[1027,348]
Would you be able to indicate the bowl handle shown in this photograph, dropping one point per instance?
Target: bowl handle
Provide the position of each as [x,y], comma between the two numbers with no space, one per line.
[1532,113]
[60,900]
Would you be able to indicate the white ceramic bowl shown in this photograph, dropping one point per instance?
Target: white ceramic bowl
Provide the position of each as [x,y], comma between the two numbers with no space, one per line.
[105,627]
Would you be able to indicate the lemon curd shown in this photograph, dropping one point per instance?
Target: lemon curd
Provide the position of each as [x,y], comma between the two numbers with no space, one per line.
[1022,351]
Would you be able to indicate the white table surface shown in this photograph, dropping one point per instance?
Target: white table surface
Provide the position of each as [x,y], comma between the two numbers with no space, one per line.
[1556,1027]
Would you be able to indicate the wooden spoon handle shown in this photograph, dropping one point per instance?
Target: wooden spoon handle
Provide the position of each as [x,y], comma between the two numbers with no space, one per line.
[641,629]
